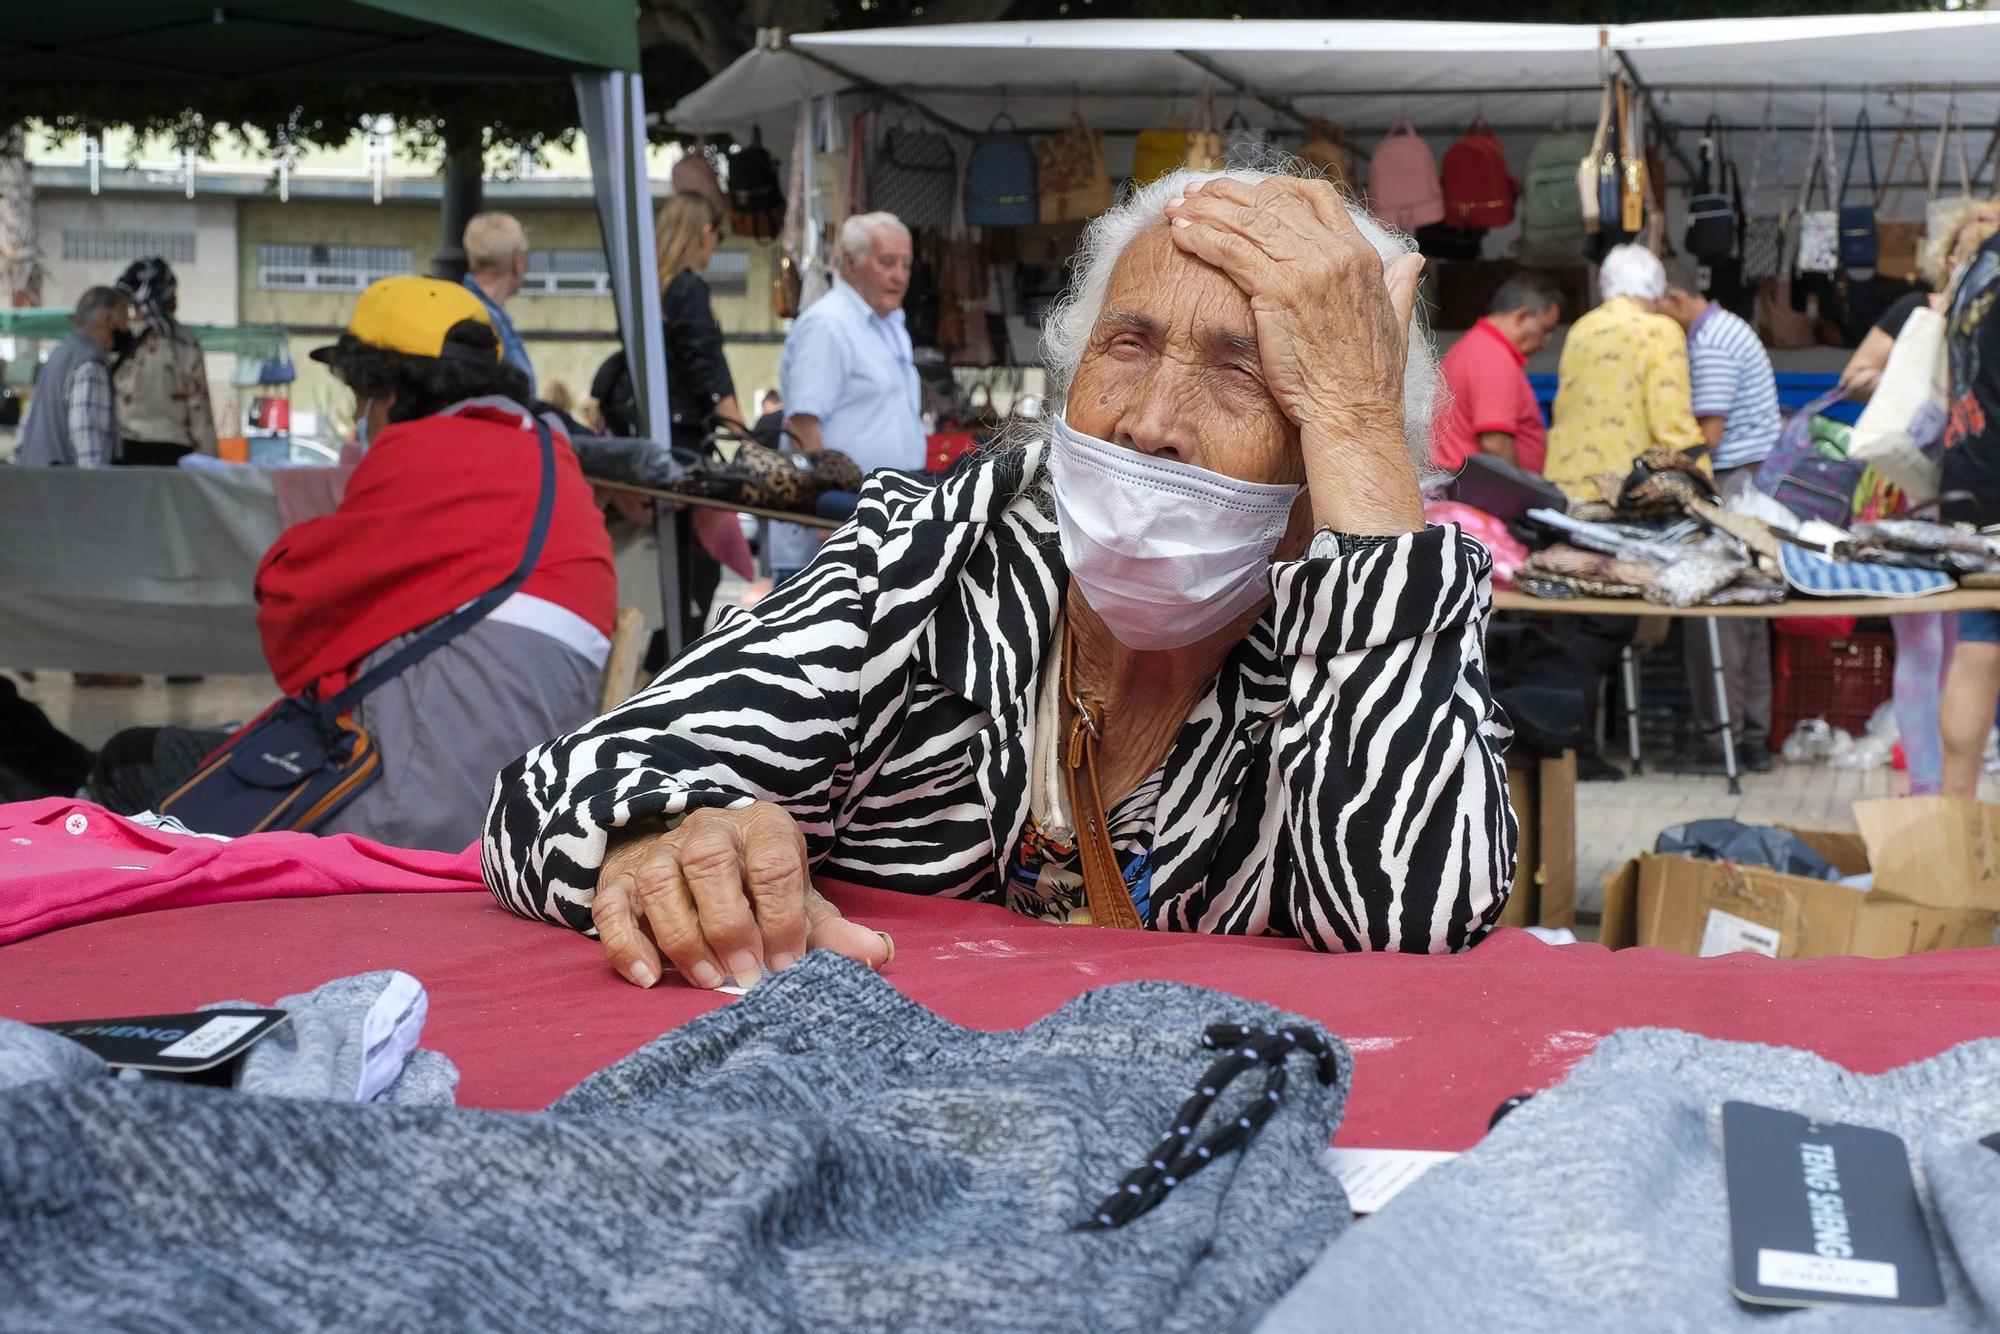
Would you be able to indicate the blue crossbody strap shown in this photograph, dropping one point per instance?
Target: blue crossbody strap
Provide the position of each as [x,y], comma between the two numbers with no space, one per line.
[450,628]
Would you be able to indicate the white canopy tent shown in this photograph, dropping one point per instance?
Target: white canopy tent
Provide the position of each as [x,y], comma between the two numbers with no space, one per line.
[1127,75]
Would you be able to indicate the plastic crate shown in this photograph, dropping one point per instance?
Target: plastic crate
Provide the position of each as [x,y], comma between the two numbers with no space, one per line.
[1840,680]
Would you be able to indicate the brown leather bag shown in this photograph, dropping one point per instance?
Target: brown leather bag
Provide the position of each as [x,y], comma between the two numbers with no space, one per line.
[786,288]
[1777,323]
[1071,181]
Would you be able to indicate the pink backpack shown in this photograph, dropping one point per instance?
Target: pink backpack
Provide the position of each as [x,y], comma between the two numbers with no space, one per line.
[1403,186]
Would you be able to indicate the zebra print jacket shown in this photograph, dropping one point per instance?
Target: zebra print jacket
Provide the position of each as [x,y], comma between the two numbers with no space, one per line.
[1341,781]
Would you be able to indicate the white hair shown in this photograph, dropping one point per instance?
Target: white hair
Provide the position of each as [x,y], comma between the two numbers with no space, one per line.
[1066,331]
[857,234]
[1634,271]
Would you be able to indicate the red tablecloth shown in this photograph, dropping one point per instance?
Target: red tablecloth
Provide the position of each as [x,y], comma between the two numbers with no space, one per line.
[526,1010]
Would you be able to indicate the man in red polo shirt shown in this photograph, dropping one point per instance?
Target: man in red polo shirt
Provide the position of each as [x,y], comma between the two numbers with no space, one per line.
[1492,409]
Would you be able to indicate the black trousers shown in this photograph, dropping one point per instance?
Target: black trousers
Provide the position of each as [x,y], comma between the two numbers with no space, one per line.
[149,454]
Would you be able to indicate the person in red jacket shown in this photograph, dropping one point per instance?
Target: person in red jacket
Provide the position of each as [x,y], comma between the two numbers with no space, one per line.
[437,513]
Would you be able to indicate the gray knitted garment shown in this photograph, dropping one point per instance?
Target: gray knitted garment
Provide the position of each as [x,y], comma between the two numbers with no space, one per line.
[823,1154]
[1600,1205]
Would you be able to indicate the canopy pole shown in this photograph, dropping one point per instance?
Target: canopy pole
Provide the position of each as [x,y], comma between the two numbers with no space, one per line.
[1666,136]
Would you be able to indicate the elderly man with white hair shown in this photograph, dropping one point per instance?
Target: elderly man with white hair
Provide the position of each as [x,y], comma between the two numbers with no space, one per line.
[849,372]
[1623,383]
[1184,655]
[496,258]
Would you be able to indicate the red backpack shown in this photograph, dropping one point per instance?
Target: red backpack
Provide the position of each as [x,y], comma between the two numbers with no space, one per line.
[1478,189]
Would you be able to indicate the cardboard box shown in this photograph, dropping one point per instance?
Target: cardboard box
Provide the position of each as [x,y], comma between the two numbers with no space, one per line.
[1543,793]
[1936,862]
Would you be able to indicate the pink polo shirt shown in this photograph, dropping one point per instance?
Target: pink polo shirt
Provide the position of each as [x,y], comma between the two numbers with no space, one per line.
[1488,379]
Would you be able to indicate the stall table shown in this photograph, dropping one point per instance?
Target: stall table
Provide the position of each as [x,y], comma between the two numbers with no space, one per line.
[134,569]
[526,1009]
[1953,600]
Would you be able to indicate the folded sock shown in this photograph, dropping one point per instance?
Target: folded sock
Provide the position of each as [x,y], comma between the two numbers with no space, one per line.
[350,1040]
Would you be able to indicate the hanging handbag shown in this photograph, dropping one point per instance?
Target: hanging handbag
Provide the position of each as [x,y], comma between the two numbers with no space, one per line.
[694,174]
[756,200]
[786,288]
[1245,147]
[1898,241]
[1763,231]
[1818,229]
[1000,178]
[1631,166]
[1070,174]
[1711,229]
[1326,151]
[1590,171]
[913,175]
[1943,206]
[307,758]
[1158,151]
[1204,144]
[1857,221]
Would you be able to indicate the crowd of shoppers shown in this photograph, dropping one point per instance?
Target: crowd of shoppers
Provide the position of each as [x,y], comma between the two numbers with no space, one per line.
[1656,365]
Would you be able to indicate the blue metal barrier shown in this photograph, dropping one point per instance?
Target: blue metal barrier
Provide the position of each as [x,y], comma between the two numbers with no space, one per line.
[1795,390]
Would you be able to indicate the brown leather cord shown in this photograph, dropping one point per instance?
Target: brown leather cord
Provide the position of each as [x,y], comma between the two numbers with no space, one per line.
[1103,883]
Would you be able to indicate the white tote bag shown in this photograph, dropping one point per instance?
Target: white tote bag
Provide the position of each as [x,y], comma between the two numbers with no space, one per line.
[1901,431]
[1819,229]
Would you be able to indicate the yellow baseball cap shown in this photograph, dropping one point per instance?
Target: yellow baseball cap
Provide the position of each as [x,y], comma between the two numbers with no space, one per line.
[411,315]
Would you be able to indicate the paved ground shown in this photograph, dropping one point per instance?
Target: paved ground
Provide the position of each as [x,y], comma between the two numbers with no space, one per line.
[1614,821]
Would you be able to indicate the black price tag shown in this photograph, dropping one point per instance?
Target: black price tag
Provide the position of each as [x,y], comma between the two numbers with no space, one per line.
[172,1044]
[1823,1214]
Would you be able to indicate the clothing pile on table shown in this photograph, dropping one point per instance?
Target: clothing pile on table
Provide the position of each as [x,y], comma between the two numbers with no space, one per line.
[824,1153]
[1663,536]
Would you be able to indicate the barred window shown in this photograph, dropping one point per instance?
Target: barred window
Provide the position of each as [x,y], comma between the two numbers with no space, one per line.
[96,245]
[728,273]
[584,273]
[294,267]
[566,273]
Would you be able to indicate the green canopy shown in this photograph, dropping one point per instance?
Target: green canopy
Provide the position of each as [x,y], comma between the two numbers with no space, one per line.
[245,340]
[350,41]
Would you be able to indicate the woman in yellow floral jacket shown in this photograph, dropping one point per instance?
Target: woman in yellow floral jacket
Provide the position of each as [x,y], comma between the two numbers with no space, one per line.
[1623,385]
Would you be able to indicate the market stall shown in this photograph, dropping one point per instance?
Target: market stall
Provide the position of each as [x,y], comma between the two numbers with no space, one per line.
[1080,105]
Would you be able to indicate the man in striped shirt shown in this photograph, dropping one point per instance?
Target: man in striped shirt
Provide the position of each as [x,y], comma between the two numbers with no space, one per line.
[1736,405]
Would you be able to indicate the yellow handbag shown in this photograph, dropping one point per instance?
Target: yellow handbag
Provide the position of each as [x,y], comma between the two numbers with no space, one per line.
[1326,152]
[1632,168]
[1072,182]
[1158,152]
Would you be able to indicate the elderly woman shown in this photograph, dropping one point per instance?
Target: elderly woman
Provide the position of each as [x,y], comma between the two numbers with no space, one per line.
[1189,659]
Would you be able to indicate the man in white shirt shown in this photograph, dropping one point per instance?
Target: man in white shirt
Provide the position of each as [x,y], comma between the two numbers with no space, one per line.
[849,372]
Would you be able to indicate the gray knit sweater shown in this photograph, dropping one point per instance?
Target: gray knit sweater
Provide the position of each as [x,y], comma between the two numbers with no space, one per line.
[823,1154]
[1599,1205]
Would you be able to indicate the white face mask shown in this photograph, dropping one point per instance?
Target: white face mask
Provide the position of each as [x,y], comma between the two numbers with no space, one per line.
[1166,553]
[362,409]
